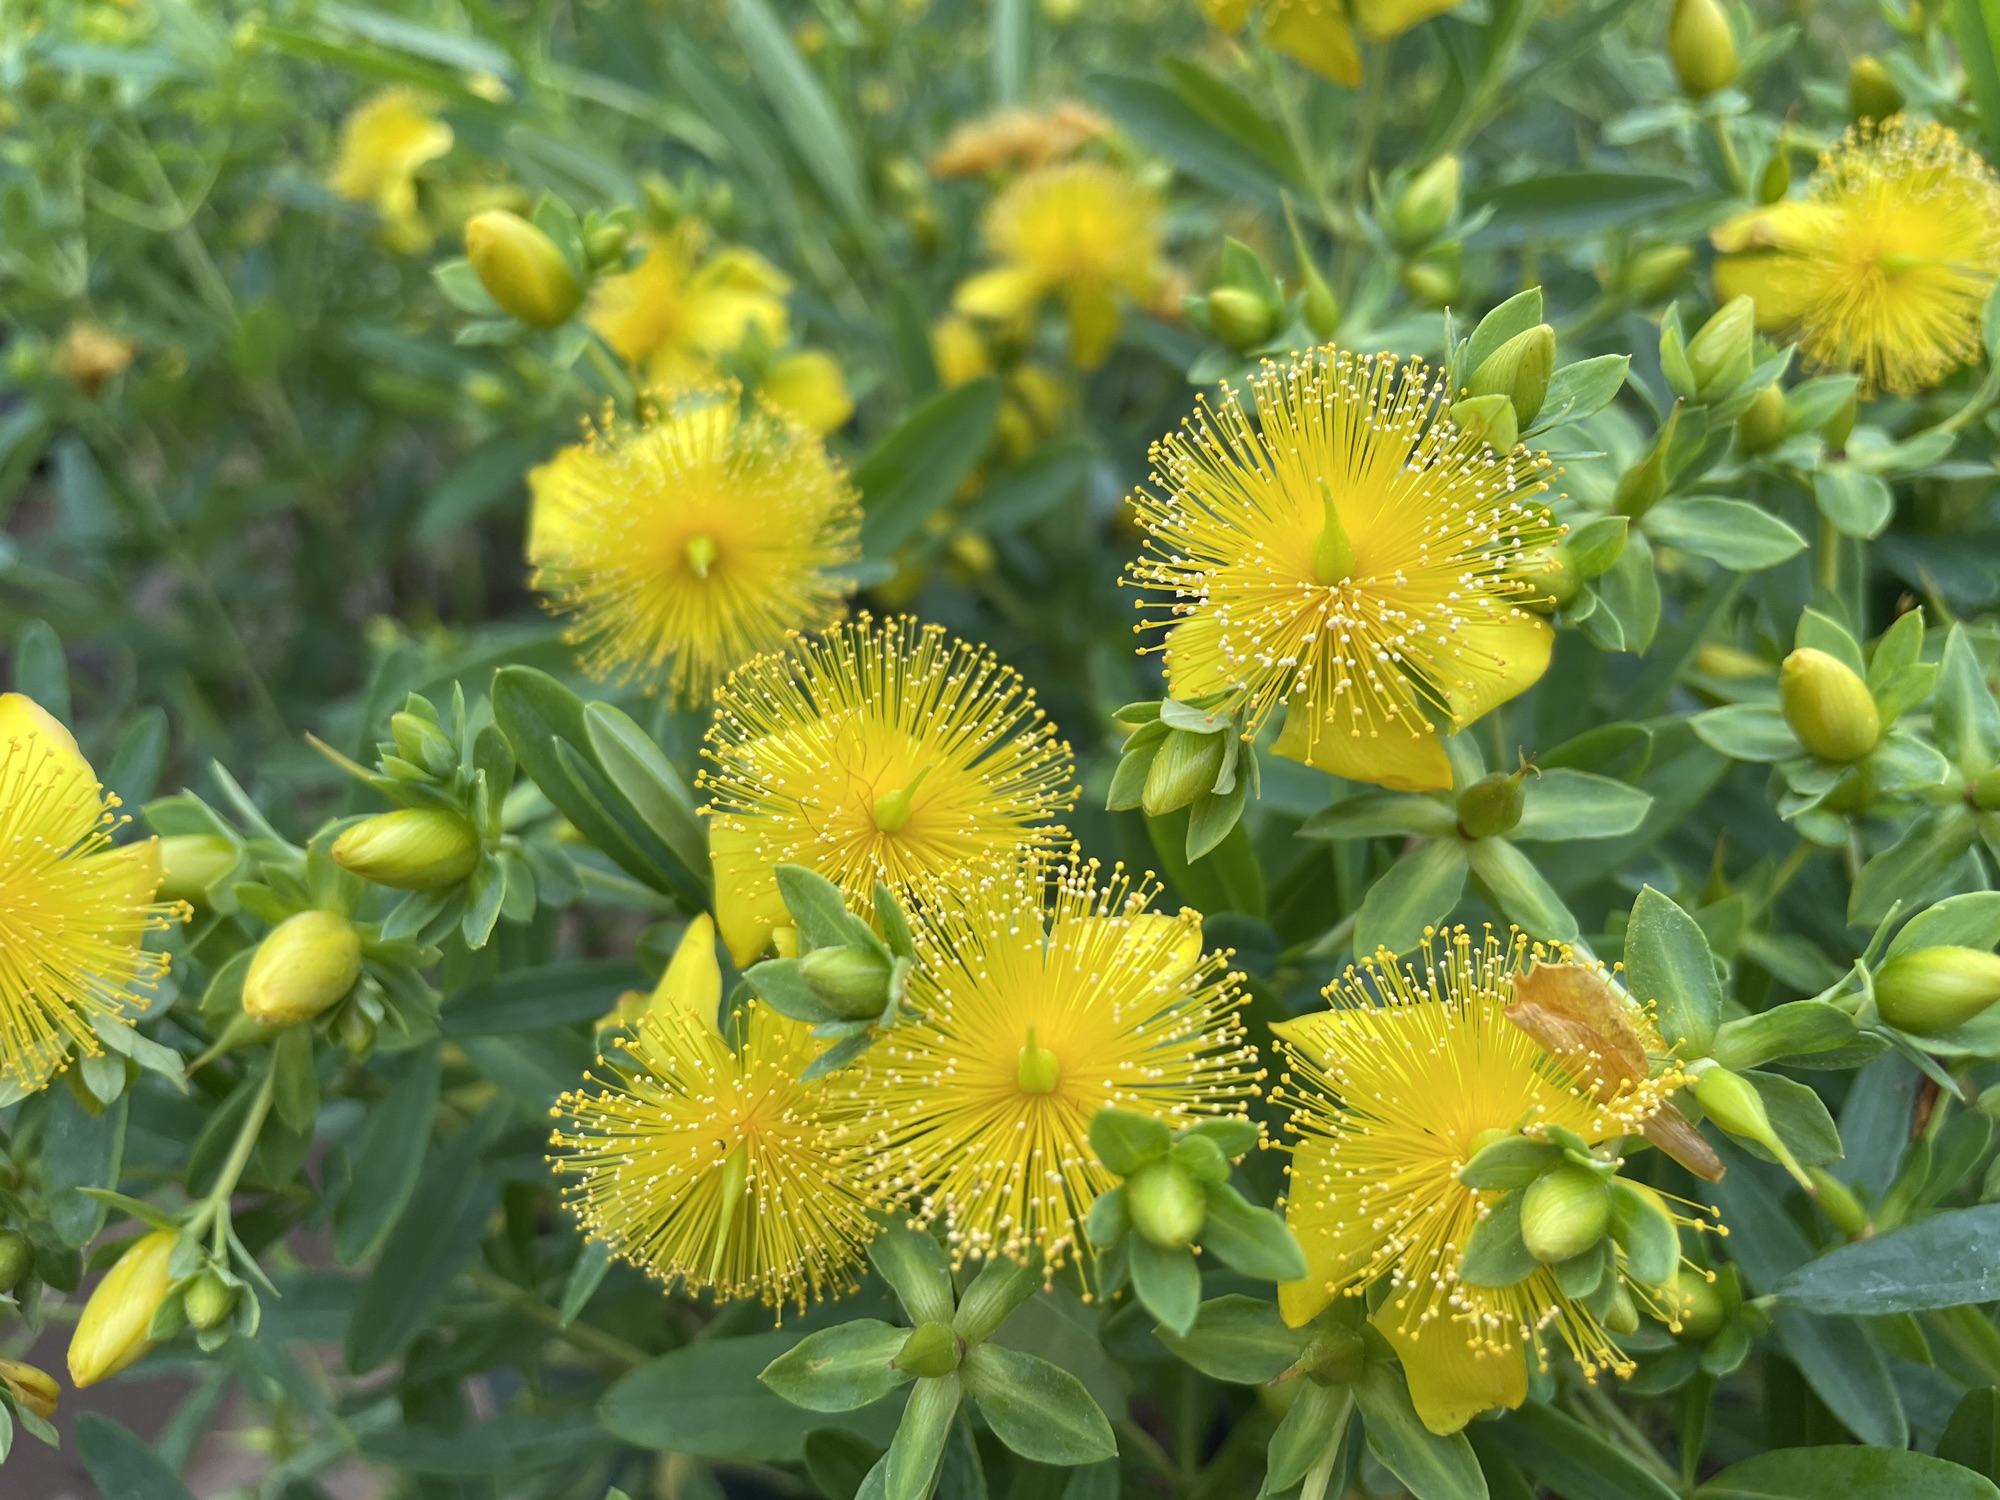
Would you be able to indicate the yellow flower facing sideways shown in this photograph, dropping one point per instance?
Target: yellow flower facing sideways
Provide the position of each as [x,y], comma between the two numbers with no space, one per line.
[712,1166]
[1043,997]
[1085,230]
[1884,265]
[1321,33]
[886,752]
[685,306]
[1390,1094]
[1350,554]
[382,144]
[74,908]
[685,546]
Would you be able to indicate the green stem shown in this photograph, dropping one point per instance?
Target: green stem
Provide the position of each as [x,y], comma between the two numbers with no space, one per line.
[1732,164]
[580,1335]
[617,384]
[1627,1434]
[214,1209]
[1794,862]
[1829,557]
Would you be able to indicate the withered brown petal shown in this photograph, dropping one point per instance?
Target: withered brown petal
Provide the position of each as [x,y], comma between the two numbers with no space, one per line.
[1675,1134]
[1582,994]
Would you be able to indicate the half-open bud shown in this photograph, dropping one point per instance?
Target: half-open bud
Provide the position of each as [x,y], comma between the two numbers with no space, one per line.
[192,862]
[114,1329]
[34,1390]
[1700,1308]
[1564,1213]
[1871,93]
[521,268]
[304,966]
[411,849]
[1828,706]
[1166,1204]
[1935,989]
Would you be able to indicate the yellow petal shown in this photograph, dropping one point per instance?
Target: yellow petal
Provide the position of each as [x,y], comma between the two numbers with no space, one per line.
[693,981]
[1093,324]
[1450,1381]
[747,903]
[1006,292]
[55,764]
[1402,762]
[1769,278]
[810,387]
[1381,20]
[958,351]
[1226,16]
[1499,657]
[1780,226]
[1317,34]
[1196,666]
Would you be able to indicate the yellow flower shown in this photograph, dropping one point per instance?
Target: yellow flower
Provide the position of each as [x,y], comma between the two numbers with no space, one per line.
[1320,33]
[1884,266]
[1083,229]
[1039,1007]
[1353,555]
[698,540]
[1017,137]
[91,354]
[74,910]
[382,144]
[1390,1094]
[714,1166]
[807,385]
[884,752]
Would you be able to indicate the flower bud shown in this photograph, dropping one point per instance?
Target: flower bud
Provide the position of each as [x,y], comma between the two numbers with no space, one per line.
[1563,1213]
[1185,766]
[1489,419]
[1641,487]
[34,1390]
[1762,425]
[1935,989]
[209,1301]
[1321,309]
[1840,426]
[1491,805]
[192,862]
[1240,319]
[1733,1103]
[1700,1308]
[423,743]
[607,243]
[931,1350]
[1165,1204]
[112,1333]
[1871,93]
[1559,584]
[356,1031]
[1427,204]
[1519,370]
[17,1257]
[853,982]
[1701,47]
[1828,706]
[1722,354]
[1653,273]
[1776,179]
[521,268]
[411,849]
[1622,1316]
[1432,281]
[1984,790]
[303,966]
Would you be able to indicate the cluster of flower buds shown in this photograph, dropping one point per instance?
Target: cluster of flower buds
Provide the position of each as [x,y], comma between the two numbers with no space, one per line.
[1249,307]
[534,271]
[1187,755]
[1419,213]
[164,1282]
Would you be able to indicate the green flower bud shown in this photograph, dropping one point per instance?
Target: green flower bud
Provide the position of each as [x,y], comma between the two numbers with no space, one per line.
[411,849]
[1519,370]
[521,268]
[1701,1309]
[1762,425]
[1722,354]
[1642,486]
[931,1350]
[1701,47]
[17,1257]
[192,862]
[1935,989]
[357,1032]
[1622,1316]
[1165,1204]
[1491,805]
[1490,419]
[1185,767]
[1776,179]
[1433,281]
[1985,790]
[1840,426]
[1240,319]
[1828,706]
[607,243]
[1734,1104]
[1427,203]
[304,966]
[854,982]
[1563,1213]
[209,1301]
[114,1329]
[1321,309]
[423,743]
[1871,93]
[1653,273]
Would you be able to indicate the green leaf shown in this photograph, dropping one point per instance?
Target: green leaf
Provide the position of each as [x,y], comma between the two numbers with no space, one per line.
[1317,1420]
[1050,480]
[1039,1411]
[80,1150]
[1570,1459]
[121,1465]
[1511,1162]
[1013,21]
[1850,1473]
[648,781]
[1946,1261]
[1560,805]
[781,984]
[1972,1436]
[1756,732]
[914,1265]
[1668,963]
[1524,897]
[1516,315]
[1160,119]
[1235,115]
[1241,1340]
[1964,715]
[1628,592]
[1652,1248]
[1001,1286]
[1431,1467]
[1822,632]
[911,1465]
[1855,503]
[1577,391]
[40,670]
[1126,1141]
[1379,814]
[1248,1239]
[1418,892]
[296,1088]
[916,469]
[1799,1029]
[1568,206]
[1166,1282]
[540,997]
[816,129]
[842,1368]
[838,1462]
[1914,866]
[1846,1370]
[1800,1119]
[1740,536]
[585,1277]
[1495,1254]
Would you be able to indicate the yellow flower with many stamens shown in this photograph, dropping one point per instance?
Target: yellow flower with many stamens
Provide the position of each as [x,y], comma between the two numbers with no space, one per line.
[1390,1094]
[690,544]
[886,752]
[383,144]
[1352,555]
[1083,229]
[1044,998]
[74,908]
[714,1166]
[1884,265]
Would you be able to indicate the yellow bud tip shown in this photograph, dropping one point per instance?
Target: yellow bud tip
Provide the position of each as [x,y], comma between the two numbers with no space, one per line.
[701,554]
[1333,553]
[1037,1069]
